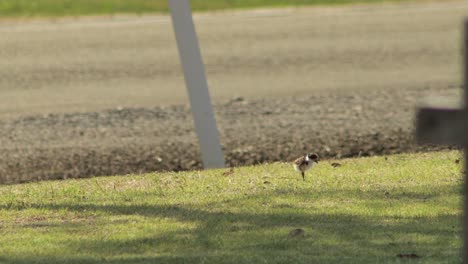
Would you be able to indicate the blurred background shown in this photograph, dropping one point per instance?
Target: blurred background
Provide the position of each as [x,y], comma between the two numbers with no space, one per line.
[90,88]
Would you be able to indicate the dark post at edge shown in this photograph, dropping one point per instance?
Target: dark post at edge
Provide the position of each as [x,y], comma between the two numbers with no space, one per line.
[465,142]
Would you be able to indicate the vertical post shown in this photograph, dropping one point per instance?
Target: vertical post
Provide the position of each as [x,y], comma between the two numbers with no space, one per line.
[197,86]
[465,143]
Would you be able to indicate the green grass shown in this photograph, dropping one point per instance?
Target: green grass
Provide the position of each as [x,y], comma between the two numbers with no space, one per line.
[366,211]
[22,8]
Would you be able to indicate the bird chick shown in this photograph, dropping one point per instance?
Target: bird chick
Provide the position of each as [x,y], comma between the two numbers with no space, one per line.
[305,162]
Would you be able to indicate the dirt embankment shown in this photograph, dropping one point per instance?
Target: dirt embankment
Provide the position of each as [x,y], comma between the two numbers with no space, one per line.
[133,140]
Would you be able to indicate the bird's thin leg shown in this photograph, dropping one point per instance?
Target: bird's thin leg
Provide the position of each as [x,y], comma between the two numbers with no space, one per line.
[303,175]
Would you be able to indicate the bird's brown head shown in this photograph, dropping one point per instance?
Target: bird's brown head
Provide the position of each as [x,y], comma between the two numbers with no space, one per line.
[314,157]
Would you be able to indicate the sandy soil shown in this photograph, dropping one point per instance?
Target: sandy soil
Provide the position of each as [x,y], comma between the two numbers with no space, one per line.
[106,96]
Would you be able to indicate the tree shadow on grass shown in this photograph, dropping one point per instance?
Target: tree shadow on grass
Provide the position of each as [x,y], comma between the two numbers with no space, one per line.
[224,236]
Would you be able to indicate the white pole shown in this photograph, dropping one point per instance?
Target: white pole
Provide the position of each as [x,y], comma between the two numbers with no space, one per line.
[197,86]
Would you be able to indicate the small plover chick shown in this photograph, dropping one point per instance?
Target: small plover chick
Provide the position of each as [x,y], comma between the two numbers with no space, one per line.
[305,162]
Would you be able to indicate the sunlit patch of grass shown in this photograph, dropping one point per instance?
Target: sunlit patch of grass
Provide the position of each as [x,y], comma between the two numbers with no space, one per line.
[26,8]
[366,211]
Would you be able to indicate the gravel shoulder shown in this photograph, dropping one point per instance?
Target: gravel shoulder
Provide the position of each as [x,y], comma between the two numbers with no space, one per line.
[136,140]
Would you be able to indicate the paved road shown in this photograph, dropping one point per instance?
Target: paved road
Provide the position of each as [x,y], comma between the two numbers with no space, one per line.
[91,64]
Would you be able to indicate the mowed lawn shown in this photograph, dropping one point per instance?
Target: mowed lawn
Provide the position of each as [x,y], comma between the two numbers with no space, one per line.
[12,8]
[367,210]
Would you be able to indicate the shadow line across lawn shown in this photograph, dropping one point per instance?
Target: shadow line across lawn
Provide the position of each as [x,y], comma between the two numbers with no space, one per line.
[224,236]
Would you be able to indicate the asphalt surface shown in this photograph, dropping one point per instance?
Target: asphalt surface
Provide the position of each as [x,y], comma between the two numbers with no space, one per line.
[105,95]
